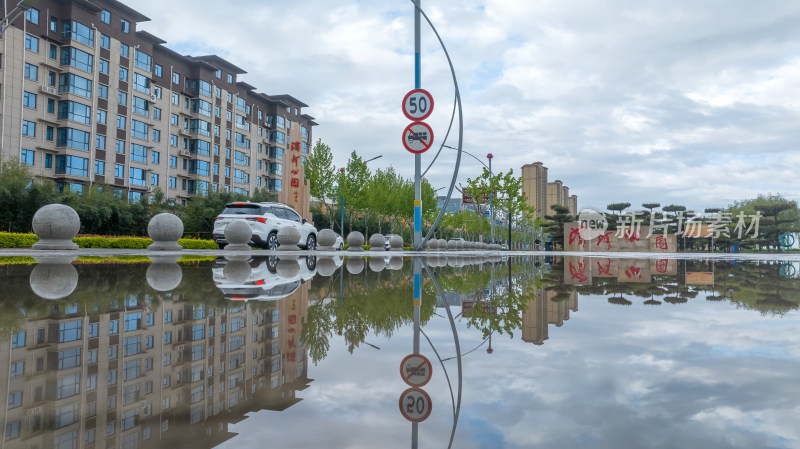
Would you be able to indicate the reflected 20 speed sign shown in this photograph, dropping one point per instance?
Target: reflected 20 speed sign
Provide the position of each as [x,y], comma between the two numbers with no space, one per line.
[418,104]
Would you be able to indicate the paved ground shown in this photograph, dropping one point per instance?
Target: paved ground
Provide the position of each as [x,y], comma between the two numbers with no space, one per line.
[11,252]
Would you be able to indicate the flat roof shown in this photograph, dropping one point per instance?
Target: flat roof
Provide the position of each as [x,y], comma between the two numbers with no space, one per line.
[221,63]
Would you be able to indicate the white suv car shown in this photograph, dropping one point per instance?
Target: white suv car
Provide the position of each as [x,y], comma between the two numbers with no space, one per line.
[265,219]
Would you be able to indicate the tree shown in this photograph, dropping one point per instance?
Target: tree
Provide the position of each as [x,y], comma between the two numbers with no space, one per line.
[651,206]
[674,208]
[618,207]
[504,191]
[555,223]
[319,174]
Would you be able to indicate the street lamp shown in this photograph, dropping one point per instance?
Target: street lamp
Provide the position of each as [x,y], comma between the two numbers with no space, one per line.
[22,6]
[491,201]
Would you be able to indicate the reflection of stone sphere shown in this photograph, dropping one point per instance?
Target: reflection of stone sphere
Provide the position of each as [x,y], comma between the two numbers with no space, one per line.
[396,263]
[326,266]
[288,237]
[236,271]
[377,264]
[288,267]
[165,227]
[326,237]
[355,239]
[355,265]
[54,280]
[164,276]
[376,241]
[56,222]
[238,232]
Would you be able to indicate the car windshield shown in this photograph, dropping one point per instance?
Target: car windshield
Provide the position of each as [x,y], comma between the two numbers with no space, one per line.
[242,209]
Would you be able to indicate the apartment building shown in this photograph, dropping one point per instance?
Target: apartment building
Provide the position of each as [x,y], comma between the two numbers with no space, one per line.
[88,98]
[133,368]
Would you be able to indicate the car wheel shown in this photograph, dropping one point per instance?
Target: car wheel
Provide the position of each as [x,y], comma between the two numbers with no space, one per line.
[221,245]
[272,264]
[272,241]
[311,242]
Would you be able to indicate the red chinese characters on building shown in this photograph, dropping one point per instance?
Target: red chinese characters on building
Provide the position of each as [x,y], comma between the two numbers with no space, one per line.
[294,182]
[632,272]
[661,242]
[604,238]
[574,235]
[579,272]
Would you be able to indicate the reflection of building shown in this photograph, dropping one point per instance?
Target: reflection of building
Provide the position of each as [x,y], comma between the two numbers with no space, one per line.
[88,97]
[548,307]
[147,375]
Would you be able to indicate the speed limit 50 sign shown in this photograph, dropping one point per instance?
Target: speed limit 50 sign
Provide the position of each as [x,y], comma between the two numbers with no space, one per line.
[418,104]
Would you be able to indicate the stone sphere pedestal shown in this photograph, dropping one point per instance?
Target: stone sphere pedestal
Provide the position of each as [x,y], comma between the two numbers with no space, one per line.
[56,225]
[238,234]
[376,241]
[165,229]
[325,240]
[355,239]
[288,238]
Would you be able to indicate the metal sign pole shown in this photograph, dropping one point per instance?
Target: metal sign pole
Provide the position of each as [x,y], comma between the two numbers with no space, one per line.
[417,211]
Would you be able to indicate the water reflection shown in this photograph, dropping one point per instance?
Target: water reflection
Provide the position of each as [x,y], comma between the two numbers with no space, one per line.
[150,353]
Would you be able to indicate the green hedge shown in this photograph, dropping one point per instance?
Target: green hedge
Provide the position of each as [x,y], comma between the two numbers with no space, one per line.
[13,240]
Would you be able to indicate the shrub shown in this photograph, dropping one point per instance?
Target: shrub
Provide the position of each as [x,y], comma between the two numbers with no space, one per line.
[197,244]
[17,240]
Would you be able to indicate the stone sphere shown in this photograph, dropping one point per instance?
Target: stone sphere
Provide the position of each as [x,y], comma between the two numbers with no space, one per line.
[396,242]
[355,239]
[377,264]
[288,267]
[236,270]
[395,263]
[237,233]
[165,229]
[53,280]
[376,241]
[56,225]
[326,238]
[355,265]
[326,266]
[433,244]
[452,244]
[288,238]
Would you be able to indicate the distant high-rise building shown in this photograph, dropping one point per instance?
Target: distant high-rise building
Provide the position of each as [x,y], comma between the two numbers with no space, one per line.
[534,184]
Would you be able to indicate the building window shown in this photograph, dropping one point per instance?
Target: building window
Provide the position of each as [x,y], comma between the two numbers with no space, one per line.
[27,156]
[28,128]
[69,82]
[176,99]
[31,72]
[32,15]
[120,146]
[122,99]
[100,142]
[138,154]
[103,66]
[155,157]
[230,79]
[158,71]
[48,160]
[119,172]
[76,112]
[102,91]
[101,116]
[123,74]
[77,58]
[176,77]
[105,42]
[154,179]
[73,138]
[29,100]
[105,16]
[156,135]
[72,165]
[156,113]
[137,178]
[141,83]
[80,33]
[142,60]
[121,121]
[125,26]
[99,168]
[173,183]
[141,106]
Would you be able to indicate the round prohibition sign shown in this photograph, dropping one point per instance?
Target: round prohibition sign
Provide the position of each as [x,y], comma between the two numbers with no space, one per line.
[418,104]
[416,370]
[418,137]
[415,404]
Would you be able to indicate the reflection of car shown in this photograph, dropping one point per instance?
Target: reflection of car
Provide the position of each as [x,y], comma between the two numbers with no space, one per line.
[339,243]
[258,279]
[265,219]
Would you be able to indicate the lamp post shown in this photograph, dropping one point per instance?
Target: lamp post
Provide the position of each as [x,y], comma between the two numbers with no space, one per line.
[491,200]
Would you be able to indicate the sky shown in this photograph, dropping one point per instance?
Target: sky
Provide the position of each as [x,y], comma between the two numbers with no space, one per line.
[680,102]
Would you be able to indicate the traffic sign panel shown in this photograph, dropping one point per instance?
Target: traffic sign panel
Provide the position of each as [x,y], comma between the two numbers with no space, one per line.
[416,370]
[418,104]
[418,137]
[415,404]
